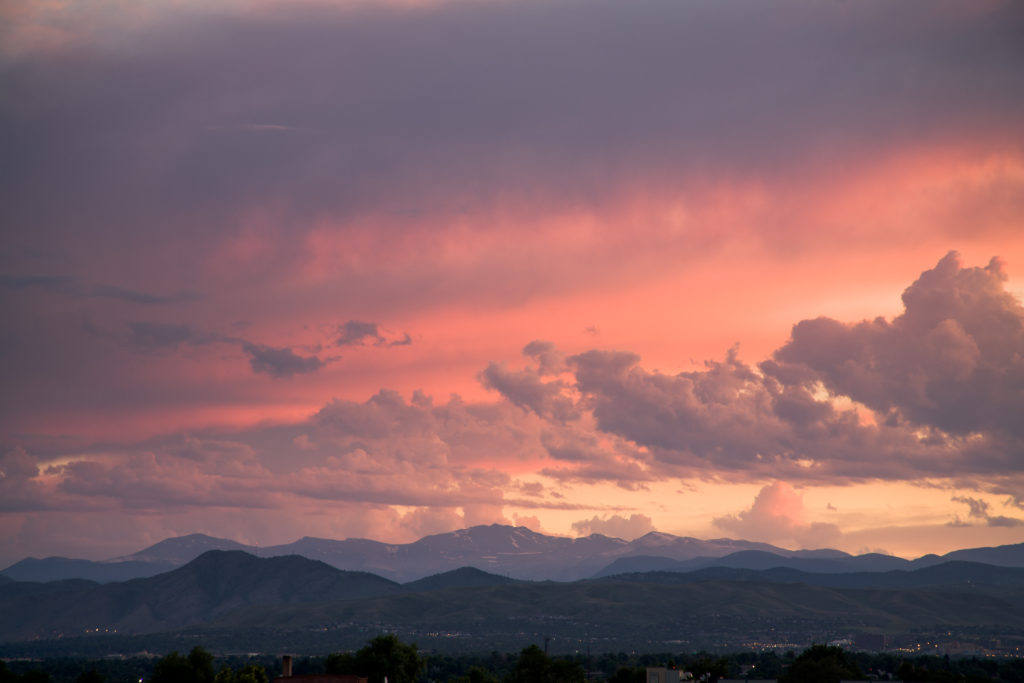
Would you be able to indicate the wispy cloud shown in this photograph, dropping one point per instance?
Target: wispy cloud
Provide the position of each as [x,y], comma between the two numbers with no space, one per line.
[978,509]
[78,288]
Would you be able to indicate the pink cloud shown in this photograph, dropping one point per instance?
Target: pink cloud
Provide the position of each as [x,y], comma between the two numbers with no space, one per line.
[778,515]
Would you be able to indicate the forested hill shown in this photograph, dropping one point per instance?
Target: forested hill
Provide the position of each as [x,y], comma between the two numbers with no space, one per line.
[233,593]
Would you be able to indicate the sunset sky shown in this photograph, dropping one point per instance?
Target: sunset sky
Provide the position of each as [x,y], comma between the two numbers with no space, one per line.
[276,269]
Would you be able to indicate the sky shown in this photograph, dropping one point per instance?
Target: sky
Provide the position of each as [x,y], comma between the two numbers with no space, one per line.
[385,269]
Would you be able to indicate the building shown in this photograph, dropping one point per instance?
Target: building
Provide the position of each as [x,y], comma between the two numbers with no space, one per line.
[659,674]
[287,677]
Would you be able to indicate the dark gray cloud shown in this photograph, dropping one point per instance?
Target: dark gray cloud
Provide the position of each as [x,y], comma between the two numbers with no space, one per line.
[356,332]
[375,109]
[359,333]
[274,361]
[280,361]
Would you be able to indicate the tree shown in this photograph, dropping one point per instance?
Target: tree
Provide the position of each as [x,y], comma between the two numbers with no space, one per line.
[534,666]
[476,674]
[822,664]
[175,668]
[90,676]
[252,673]
[629,674]
[383,656]
[33,676]
[708,669]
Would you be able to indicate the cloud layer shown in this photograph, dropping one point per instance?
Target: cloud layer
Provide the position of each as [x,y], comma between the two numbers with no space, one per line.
[273,266]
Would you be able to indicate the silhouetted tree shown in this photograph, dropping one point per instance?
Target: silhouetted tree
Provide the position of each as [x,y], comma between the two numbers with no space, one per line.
[910,673]
[90,676]
[8,676]
[175,668]
[252,673]
[708,669]
[476,674]
[822,664]
[534,666]
[383,656]
[629,674]
[35,677]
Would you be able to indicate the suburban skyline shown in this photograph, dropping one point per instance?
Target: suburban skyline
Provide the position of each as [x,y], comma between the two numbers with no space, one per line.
[386,269]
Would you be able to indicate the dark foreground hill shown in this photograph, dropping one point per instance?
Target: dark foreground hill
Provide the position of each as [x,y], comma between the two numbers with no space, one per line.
[620,615]
[962,576]
[464,577]
[209,586]
[238,596]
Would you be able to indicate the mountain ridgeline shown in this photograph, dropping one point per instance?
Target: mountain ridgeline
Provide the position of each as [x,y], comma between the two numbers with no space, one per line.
[516,552]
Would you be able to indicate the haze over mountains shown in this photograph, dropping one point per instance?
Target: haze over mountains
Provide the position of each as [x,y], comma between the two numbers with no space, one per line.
[516,552]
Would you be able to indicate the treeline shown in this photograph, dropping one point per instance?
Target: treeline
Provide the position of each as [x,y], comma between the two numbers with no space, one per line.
[387,656]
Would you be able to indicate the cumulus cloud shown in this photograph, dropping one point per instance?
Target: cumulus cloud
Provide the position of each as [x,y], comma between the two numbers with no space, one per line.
[729,418]
[817,412]
[550,361]
[526,389]
[531,522]
[616,526]
[778,515]
[952,361]
[377,454]
[933,392]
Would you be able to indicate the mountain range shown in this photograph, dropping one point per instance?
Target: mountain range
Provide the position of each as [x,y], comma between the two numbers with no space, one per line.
[516,552]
